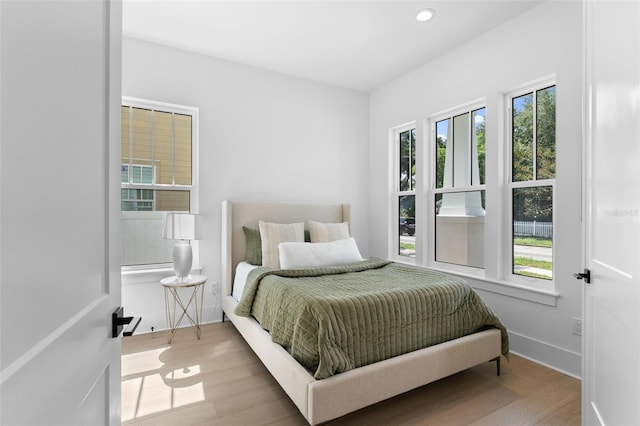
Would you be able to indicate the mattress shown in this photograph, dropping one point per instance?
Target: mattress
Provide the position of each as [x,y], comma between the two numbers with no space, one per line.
[242,271]
[338,318]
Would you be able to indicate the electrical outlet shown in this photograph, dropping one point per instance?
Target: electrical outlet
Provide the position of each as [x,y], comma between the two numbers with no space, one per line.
[576,327]
[214,287]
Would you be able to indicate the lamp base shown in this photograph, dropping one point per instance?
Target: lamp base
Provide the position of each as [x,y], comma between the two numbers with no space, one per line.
[182,259]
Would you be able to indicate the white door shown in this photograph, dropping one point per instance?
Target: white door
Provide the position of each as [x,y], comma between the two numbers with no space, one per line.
[60,90]
[611,345]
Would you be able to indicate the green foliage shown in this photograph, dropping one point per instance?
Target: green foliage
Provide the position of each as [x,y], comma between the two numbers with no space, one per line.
[533,241]
[546,133]
[407,160]
[534,203]
[534,263]
[481,149]
[407,206]
[522,148]
[441,152]
[407,246]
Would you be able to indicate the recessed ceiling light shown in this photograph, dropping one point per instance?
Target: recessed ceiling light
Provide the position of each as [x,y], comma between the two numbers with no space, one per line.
[425,15]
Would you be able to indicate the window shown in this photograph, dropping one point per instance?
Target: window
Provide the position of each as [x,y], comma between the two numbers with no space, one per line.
[405,187]
[533,168]
[512,249]
[157,175]
[136,199]
[459,179]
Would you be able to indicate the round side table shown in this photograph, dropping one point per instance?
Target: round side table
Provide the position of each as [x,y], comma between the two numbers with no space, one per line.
[175,305]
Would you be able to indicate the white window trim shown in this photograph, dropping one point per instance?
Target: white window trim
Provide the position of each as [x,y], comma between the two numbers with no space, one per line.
[494,278]
[395,193]
[152,270]
[535,284]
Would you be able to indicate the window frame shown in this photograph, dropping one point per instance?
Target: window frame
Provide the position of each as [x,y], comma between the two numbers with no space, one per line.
[525,281]
[431,190]
[396,193]
[130,169]
[137,200]
[132,166]
[193,188]
[496,277]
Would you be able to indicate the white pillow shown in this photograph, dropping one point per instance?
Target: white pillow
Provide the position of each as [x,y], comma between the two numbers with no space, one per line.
[309,255]
[273,234]
[325,232]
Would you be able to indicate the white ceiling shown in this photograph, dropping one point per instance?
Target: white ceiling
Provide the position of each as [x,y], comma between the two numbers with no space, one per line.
[354,44]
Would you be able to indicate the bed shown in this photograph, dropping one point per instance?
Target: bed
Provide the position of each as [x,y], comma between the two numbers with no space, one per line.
[321,400]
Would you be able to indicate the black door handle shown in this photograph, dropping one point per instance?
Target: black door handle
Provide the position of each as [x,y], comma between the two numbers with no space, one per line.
[586,276]
[118,321]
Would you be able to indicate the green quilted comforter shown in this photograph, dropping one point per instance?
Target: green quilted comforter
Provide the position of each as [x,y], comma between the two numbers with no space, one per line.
[337,318]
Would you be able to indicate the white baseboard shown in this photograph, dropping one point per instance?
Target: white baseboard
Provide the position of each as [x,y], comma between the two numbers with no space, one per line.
[559,359]
[158,319]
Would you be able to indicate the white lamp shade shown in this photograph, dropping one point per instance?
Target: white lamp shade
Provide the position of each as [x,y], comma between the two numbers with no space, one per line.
[181,226]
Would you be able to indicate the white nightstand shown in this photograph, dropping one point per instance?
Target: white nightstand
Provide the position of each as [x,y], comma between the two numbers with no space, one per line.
[173,301]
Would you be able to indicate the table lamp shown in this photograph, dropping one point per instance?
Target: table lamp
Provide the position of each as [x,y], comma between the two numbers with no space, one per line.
[183,227]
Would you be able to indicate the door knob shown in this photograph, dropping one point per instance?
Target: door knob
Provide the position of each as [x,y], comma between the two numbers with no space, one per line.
[118,321]
[586,276]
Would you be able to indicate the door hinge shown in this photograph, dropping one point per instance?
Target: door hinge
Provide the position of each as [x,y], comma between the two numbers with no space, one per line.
[586,276]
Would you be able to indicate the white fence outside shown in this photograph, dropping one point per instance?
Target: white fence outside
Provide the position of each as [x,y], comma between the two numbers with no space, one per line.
[533,229]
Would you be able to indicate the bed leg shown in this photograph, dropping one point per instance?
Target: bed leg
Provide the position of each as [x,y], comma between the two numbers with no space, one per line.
[222,316]
[497,360]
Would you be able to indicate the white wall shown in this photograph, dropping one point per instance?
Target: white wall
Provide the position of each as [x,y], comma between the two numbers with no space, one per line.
[263,136]
[546,40]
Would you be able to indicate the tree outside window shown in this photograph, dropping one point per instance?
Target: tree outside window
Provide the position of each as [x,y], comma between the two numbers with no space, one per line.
[533,169]
[406,185]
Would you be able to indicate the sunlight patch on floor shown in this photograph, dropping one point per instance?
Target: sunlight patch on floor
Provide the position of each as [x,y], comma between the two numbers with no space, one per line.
[149,386]
[139,362]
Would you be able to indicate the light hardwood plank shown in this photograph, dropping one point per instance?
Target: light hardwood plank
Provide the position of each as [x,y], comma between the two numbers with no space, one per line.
[218,380]
[533,407]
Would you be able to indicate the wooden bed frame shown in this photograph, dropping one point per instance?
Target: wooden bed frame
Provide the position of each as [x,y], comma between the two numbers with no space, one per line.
[326,399]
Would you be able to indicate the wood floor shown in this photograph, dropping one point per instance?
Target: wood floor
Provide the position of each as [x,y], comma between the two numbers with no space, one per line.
[219,381]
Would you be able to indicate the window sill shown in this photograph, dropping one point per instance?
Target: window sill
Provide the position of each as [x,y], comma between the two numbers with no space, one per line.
[505,288]
[406,260]
[518,291]
[140,276]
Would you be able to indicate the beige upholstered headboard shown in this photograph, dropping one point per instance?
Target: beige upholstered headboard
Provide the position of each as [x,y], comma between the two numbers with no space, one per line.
[235,215]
